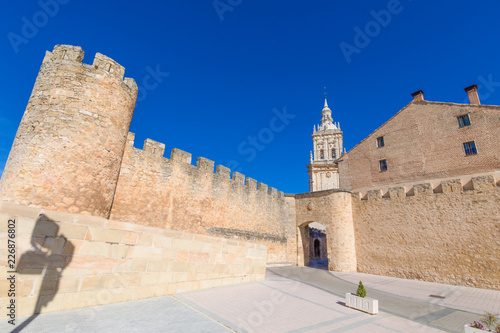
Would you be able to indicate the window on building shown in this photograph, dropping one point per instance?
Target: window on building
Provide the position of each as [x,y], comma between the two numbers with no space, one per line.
[380,141]
[470,148]
[333,153]
[383,165]
[463,120]
[322,154]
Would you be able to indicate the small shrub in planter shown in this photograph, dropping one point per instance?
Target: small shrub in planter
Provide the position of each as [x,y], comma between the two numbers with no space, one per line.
[361,290]
[361,302]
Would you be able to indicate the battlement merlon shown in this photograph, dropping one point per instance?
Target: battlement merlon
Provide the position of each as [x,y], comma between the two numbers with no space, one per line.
[180,156]
[238,178]
[204,165]
[449,186]
[423,189]
[251,183]
[154,147]
[262,187]
[273,191]
[397,192]
[130,139]
[479,183]
[101,63]
[65,52]
[223,171]
[484,183]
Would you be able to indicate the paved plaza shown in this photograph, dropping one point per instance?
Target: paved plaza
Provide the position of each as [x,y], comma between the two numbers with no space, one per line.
[290,299]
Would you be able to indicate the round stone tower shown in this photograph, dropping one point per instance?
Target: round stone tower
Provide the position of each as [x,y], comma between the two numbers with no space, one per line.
[68,149]
[340,233]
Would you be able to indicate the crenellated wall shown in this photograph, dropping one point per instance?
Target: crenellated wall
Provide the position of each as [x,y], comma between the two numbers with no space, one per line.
[446,232]
[186,227]
[73,153]
[173,194]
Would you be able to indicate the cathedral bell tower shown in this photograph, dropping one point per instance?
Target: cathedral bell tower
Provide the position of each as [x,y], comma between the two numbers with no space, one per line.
[328,146]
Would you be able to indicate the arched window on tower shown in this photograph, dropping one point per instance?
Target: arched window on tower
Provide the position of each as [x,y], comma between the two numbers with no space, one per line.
[322,154]
[333,153]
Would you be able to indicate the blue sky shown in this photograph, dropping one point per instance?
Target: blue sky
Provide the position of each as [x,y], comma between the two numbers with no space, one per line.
[241,69]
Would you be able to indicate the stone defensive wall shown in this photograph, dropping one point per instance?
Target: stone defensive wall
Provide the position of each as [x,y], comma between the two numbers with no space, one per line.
[73,153]
[173,194]
[446,232]
[98,221]
[67,261]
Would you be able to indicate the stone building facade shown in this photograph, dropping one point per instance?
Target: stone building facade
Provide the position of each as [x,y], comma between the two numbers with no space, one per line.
[143,225]
[328,146]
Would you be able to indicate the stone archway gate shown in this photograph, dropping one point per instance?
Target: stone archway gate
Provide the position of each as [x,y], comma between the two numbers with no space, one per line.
[333,209]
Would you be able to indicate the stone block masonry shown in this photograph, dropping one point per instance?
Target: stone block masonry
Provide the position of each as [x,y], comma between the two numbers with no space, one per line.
[173,194]
[73,147]
[67,152]
[432,232]
[67,261]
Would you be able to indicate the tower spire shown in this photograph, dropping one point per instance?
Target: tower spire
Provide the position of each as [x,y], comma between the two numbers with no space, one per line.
[326,104]
[326,117]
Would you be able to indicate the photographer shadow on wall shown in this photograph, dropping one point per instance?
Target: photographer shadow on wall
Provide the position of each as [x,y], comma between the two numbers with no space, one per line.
[49,255]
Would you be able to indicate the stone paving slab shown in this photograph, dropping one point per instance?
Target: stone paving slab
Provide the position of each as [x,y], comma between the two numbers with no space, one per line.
[468,299]
[281,304]
[291,299]
[160,314]
[404,307]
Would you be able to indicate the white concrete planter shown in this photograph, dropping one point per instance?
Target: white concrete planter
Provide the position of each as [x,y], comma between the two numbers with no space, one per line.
[469,329]
[365,304]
